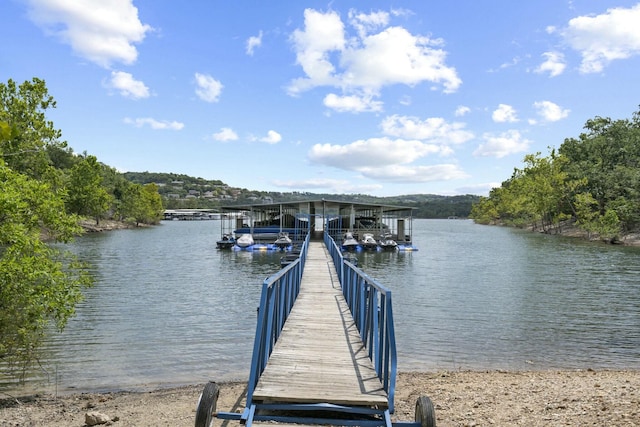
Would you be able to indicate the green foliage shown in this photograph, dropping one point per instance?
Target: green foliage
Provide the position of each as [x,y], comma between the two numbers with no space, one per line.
[38,283]
[594,179]
[141,204]
[86,194]
[606,225]
[433,206]
[43,186]
[168,178]
[22,109]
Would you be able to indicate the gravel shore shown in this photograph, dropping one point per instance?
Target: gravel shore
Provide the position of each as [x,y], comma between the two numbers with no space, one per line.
[461,398]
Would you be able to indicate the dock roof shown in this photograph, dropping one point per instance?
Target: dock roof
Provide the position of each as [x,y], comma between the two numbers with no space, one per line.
[319,205]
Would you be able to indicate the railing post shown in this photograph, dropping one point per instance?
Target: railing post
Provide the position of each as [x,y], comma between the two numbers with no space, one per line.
[279,293]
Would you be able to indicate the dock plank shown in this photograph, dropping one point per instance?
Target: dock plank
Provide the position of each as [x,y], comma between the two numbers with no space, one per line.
[319,356]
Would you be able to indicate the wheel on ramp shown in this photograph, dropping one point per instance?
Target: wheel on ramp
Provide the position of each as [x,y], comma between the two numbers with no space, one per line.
[425,414]
[207,405]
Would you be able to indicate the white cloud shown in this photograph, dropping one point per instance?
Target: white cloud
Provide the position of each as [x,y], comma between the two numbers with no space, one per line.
[433,129]
[374,152]
[253,42]
[461,111]
[154,124]
[514,61]
[394,160]
[554,64]
[395,56]
[550,111]
[208,89]
[323,33]
[339,186]
[367,23]
[127,85]
[272,137]
[504,113]
[603,38]
[405,100]
[102,32]
[366,61]
[225,134]
[502,145]
[410,174]
[352,103]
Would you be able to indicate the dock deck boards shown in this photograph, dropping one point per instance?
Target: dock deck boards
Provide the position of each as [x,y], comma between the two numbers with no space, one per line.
[319,356]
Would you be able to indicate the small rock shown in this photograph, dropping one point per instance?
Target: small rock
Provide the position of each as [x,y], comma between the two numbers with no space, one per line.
[94,418]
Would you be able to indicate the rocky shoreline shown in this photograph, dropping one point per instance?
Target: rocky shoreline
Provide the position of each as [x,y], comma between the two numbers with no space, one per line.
[569,229]
[460,398]
[90,226]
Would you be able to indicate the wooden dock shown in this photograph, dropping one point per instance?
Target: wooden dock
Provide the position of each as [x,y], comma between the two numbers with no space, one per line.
[319,356]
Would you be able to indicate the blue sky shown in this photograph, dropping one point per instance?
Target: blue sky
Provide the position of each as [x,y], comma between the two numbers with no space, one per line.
[378,97]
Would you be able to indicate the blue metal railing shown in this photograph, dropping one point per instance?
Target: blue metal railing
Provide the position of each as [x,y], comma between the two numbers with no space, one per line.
[371,308]
[279,293]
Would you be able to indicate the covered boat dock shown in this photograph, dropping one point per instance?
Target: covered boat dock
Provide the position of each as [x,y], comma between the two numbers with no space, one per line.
[299,218]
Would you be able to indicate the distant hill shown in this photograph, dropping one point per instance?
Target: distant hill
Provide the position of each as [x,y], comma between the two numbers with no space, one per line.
[183,191]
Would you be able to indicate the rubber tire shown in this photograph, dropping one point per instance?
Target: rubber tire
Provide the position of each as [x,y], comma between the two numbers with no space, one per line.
[207,405]
[425,413]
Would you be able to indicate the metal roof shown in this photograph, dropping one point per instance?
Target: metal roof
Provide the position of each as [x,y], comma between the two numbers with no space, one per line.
[319,205]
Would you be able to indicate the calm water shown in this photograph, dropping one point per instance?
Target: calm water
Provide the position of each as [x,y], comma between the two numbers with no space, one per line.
[168,308]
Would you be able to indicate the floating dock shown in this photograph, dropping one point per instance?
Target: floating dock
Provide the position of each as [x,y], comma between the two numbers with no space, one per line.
[315,217]
[319,355]
[324,350]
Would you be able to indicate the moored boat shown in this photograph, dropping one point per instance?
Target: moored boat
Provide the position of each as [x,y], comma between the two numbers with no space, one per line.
[226,242]
[245,241]
[283,241]
[387,243]
[349,243]
[368,242]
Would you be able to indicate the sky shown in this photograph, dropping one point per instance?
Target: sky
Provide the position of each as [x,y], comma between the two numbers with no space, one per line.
[383,98]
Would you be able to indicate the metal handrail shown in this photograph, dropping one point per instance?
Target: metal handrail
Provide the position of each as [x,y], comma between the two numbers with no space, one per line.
[279,293]
[371,308]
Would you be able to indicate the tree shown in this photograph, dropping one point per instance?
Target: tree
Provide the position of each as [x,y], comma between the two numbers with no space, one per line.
[153,202]
[607,158]
[23,109]
[594,179]
[39,284]
[86,195]
[141,204]
[589,218]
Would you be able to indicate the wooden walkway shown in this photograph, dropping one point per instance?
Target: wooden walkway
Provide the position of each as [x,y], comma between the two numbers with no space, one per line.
[319,357]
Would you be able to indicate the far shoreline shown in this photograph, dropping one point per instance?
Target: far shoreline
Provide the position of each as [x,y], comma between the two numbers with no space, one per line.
[563,230]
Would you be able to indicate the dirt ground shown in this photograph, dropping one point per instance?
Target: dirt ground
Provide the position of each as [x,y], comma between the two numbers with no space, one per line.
[461,398]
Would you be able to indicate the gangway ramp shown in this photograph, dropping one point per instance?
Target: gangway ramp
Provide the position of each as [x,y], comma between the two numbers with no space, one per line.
[319,356]
[324,350]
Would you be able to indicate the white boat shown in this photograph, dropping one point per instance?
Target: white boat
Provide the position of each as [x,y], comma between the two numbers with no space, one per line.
[245,240]
[368,242]
[387,243]
[349,243]
[283,240]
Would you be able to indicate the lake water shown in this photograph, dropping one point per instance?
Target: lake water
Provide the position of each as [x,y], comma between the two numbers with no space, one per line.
[168,308]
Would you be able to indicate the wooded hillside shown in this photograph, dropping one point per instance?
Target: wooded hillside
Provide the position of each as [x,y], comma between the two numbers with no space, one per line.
[592,180]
